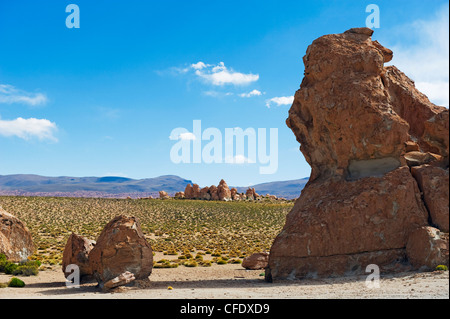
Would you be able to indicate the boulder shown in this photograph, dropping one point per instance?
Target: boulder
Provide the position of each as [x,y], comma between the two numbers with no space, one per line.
[416,158]
[255,194]
[433,182]
[214,192]
[196,191]
[179,195]
[256,261]
[411,146]
[204,193]
[427,248]
[163,195]
[249,194]
[76,252]
[223,191]
[121,247]
[121,280]
[234,192]
[16,242]
[435,136]
[189,191]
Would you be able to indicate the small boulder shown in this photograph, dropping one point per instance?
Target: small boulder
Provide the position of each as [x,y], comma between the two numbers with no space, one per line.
[256,261]
[427,247]
[121,280]
[179,195]
[163,195]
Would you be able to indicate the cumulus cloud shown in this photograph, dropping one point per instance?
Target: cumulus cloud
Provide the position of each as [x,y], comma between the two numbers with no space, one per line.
[281,100]
[426,59]
[198,66]
[28,128]
[217,75]
[250,94]
[10,94]
[221,75]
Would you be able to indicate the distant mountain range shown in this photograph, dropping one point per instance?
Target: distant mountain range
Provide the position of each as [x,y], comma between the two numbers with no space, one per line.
[112,186]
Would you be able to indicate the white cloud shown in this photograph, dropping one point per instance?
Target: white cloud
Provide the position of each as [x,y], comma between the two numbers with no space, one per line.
[281,100]
[198,66]
[250,94]
[238,159]
[217,94]
[28,128]
[9,95]
[187,136]
[220,75]
[426,59]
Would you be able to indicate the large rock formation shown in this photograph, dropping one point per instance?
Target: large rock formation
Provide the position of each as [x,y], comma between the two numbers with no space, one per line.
[120,248]
[16,242]
[355,120]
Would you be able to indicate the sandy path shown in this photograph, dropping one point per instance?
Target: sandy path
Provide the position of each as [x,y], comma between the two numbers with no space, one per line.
[232,281]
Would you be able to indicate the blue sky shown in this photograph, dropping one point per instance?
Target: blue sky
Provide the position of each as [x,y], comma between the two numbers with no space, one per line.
[103,99]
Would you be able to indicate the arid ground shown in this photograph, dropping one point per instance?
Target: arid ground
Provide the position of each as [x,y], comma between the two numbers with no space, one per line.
[234,282]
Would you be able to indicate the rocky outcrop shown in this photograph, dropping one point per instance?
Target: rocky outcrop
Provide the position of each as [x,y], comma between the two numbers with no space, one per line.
[121,247]
[163,195]
[76,252]
[16,242]
[361,126]
[223,191]
[179,195]
[256,261]
[189,192]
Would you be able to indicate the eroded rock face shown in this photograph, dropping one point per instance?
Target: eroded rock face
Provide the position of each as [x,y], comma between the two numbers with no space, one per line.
[121,247]
[16,242]
[361,127]
[427,248]
[434,183]
[348,219]
[76,252]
